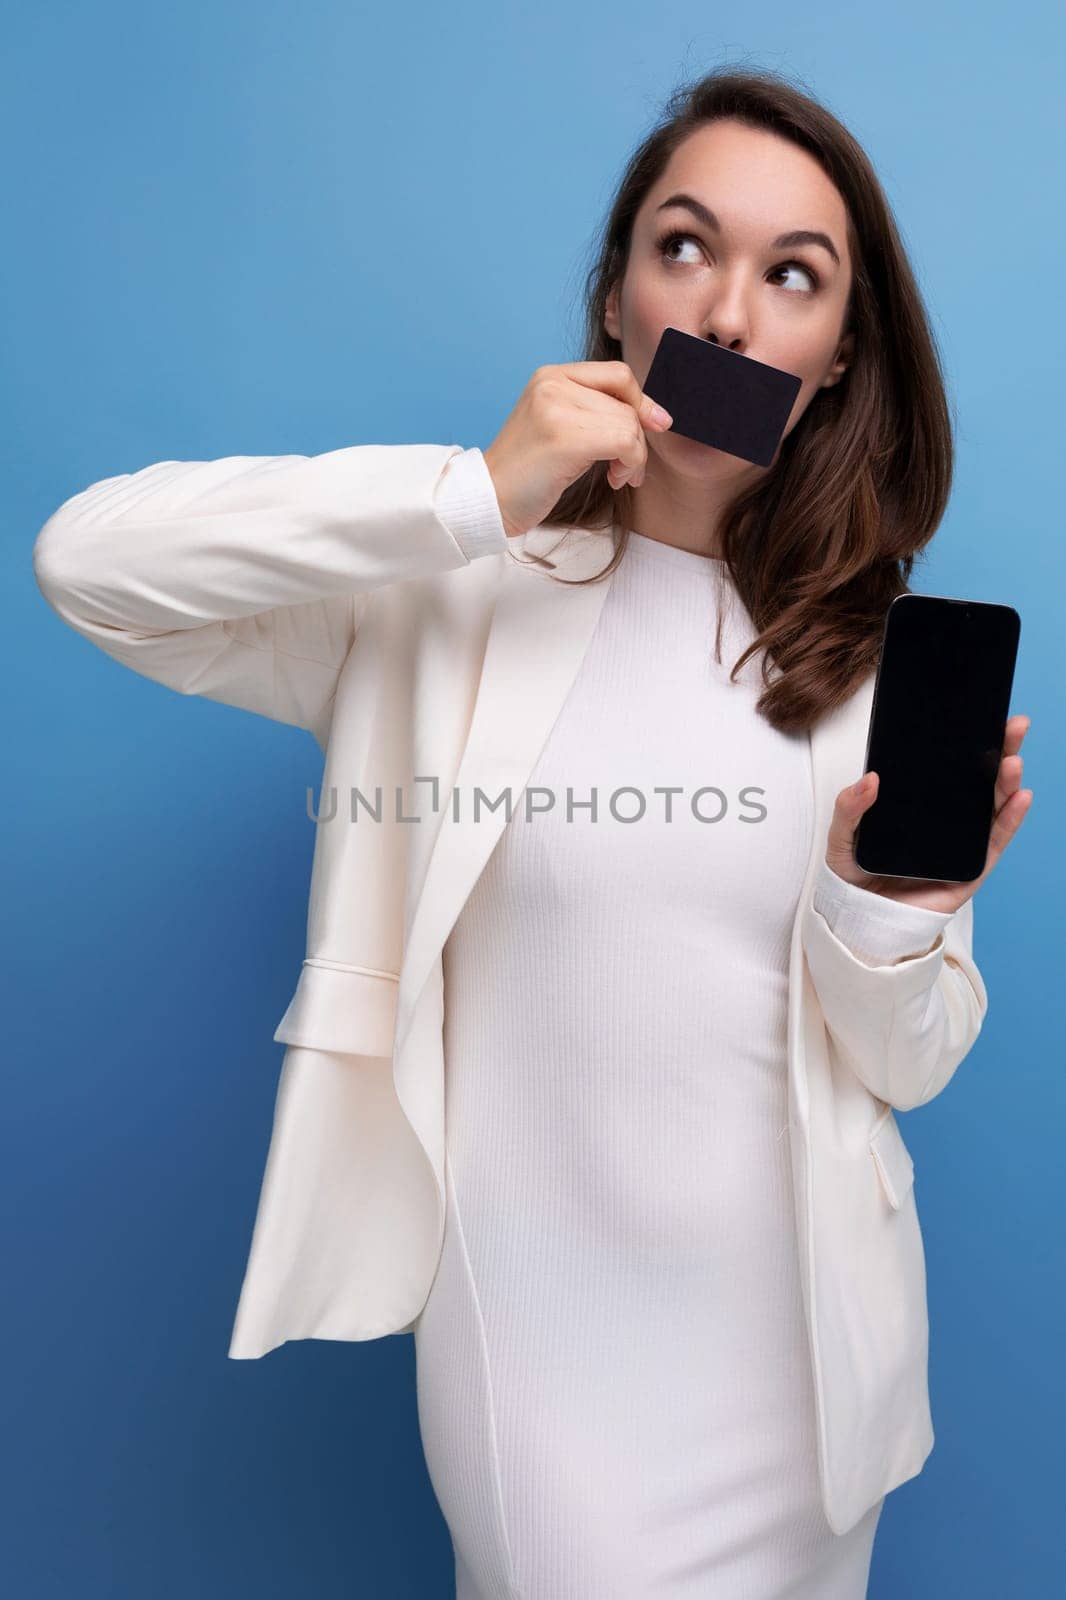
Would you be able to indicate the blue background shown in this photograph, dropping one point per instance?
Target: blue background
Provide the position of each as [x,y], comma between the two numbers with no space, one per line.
[238,228]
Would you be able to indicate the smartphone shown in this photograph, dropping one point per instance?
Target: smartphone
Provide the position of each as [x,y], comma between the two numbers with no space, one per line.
[721,398]
[937,724]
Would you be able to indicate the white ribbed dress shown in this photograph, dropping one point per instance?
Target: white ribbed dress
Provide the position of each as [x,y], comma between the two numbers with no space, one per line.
[614,1385]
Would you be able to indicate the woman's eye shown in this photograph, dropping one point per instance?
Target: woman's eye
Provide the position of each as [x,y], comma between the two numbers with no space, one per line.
[668,240]
[787,266]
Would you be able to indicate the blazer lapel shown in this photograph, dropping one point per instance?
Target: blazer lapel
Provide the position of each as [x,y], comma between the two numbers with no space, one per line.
[837,749]
[538,635]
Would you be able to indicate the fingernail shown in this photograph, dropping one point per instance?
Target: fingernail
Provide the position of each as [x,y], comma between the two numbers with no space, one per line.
[658,415]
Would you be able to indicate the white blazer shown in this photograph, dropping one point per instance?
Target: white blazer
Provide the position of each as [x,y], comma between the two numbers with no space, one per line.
[334,593]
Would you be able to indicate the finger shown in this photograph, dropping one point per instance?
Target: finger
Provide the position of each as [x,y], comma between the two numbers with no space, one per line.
[616,425]
[620,472]
[850,805]
[1008,779]
[1009,774]
[630,465]
[1015,731]
[856,798]
[601,391]
[1005,824]
[618,379]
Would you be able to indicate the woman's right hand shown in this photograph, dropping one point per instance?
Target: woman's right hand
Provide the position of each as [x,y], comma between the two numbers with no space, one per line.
[566,418]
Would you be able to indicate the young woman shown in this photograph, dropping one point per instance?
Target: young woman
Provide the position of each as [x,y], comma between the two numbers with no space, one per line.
[669,1314]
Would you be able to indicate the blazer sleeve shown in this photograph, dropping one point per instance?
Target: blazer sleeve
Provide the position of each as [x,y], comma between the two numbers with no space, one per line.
[901,995]
[244,579]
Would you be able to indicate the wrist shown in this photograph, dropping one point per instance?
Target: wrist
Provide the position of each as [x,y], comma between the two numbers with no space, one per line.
[510,528]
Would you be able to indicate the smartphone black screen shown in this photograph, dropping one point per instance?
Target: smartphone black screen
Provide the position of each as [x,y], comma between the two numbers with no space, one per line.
[939,715]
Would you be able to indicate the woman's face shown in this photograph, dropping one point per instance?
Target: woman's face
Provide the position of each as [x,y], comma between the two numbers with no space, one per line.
[730,283]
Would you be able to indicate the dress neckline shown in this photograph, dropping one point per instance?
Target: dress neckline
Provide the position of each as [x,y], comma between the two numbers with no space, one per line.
[655,549]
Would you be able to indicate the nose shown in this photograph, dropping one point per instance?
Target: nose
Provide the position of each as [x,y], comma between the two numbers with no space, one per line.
[726,322]
[733,342]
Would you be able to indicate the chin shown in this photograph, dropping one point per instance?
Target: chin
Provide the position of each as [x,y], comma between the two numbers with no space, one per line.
[704,462]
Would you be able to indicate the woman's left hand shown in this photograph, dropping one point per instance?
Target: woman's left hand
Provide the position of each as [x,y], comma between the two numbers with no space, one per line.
[1012,803]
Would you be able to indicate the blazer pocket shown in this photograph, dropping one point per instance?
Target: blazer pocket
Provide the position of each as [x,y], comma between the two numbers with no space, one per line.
[892,1159]
[339,1007]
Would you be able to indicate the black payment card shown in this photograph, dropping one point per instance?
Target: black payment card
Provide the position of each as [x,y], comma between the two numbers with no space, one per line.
[721,398]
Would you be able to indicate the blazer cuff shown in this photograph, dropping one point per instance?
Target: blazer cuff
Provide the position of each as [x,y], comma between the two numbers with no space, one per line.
[876,930]
[465,501]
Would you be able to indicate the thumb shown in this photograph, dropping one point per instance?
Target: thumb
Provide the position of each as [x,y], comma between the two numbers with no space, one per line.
[859,797]
[850,805]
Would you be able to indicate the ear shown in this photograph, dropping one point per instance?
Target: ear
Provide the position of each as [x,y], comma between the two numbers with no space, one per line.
[610,315]
[841,361]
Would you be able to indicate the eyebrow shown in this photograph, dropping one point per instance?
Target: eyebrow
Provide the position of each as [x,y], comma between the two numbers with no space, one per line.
[784,241]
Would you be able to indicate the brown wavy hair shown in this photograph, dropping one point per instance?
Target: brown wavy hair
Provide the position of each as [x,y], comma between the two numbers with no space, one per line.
[824,542]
